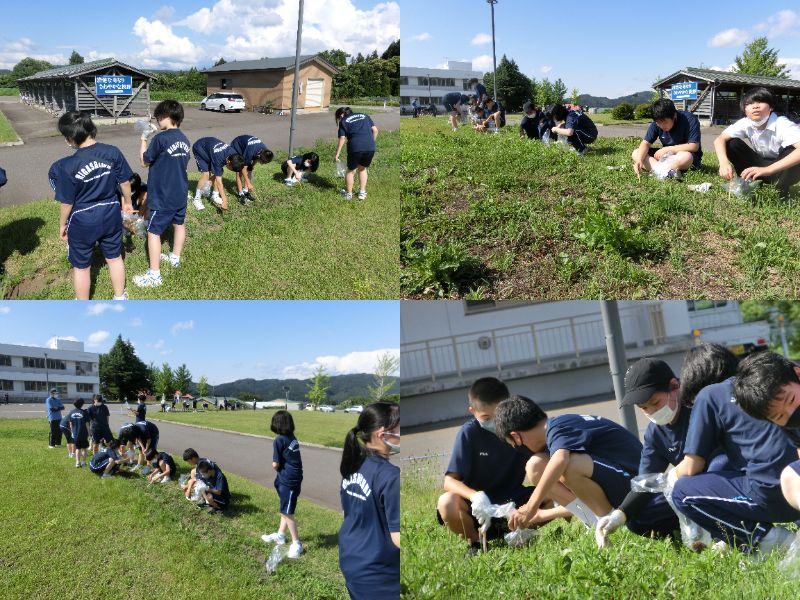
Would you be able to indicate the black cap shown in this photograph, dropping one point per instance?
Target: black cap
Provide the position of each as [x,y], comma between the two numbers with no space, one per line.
[645,377]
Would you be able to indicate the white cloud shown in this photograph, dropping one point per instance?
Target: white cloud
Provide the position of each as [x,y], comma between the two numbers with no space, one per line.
[728,38]
[354,362]
[163,47]
[159,345]
[794,66]
[4,310]
[165,13]
[97,338]
[51,343]
[421,37]
[98,308]
[14,51]
[181,325]
[481,39]
[730,67]
[136,322]
[545,69]
[482,62]
[785,22]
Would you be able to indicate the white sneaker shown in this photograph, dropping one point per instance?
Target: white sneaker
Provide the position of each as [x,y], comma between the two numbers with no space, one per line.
[198,204]
[346,195]
[166,479]
[362,195]
[216,200]
[295,550]
[277,538]
[78,465]
[148,279]
[289,181]
[171,259]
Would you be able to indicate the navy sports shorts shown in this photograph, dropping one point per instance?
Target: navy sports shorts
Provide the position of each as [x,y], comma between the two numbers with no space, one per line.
[100,469]
[202,164]
[795,466]
[101,433]
[613,479]
[99,223]
[67,434]
[223,501]
[82,441]
[288,497]
[359,159]
[161,219]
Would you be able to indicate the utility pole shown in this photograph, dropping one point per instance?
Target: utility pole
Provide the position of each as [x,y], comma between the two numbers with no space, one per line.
[617,362]
[494,52]
[296,82]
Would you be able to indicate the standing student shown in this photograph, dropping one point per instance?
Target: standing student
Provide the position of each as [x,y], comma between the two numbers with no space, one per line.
[761,145]
[454,103]
[212,157]
[140,412]
[360,133]
[414,107]
[679,133]
[168,185]
[216,495]
[86,187]
[253,150]
[53,407]
[99,415]
[577,127]
[64,427]
[78,426]
[106,462]
[287,462]
[369,540]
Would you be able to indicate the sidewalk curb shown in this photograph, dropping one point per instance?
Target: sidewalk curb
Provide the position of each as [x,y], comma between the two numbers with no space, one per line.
[19,142]
[263,437]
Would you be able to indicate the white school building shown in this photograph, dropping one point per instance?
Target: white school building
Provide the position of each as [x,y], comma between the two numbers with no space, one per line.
[430,85]
[553,352]
[28,373]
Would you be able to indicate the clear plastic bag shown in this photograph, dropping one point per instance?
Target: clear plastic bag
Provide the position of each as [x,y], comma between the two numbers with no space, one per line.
[700,187]
[662,168]
[134,223]
[584,513]
[341,170]
[790,564]
[141,125]
[742,188]
[279,552]
[183,479]
[520,537]
[651,482]
[199,486]
[546,136]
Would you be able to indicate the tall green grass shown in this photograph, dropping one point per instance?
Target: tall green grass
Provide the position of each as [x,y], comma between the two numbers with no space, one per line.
[7,133]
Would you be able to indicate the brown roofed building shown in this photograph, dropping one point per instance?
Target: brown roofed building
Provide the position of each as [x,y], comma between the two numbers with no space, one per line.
[269,80]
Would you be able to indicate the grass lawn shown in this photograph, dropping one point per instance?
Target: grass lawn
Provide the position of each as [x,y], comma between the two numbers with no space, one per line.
[493,216]
[9,91]
[65,529]
[564,562]
[300,242]
[159,95]
[605,118]
[327,429]
[7,133]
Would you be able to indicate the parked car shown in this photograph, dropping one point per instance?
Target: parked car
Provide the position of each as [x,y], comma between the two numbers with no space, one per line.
[327,408]
[356,408]
[223,102]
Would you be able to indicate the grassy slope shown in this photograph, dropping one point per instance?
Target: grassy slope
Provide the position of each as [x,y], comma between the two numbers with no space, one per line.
[565,563]
[300,242]
[495,216]
[328,429]
[66,529]
[7,133]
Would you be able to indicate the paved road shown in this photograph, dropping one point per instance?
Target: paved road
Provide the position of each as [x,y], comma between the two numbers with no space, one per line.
[246,456]
[707,134]
[27,165]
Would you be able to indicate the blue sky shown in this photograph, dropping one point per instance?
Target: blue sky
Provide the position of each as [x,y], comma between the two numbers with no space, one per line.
[186,33]
[601,48]
[222,340]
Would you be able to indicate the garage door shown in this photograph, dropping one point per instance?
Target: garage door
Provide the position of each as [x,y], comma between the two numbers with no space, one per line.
[315,89]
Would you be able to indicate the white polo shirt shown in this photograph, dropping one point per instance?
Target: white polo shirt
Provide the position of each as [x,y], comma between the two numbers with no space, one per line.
[779,133]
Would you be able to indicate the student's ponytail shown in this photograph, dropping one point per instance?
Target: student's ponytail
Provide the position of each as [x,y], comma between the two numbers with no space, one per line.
[374,416]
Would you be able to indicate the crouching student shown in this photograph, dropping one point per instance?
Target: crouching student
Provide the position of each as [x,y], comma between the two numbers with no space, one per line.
[768,387]
[216,495]
[679,133]
[254,151]
[164,468]
[294,168]
[575,126]
[494,113]
[106,462]
[761,145]
[483,470]
[86,187]
[369,539]
[167,158]
[455,103]
[190,456]
[591,459]
[212,156]
[529,126]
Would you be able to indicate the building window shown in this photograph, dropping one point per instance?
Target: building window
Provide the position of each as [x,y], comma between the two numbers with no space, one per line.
[404,81]
[35,386]
[83,368]
[422,81]
[472,307]
[436,100]
[226,84]
[60,386]
[32,363]
[5,360]
[85,387]
[6,385]
[696,305]
[53,363]
[405,100]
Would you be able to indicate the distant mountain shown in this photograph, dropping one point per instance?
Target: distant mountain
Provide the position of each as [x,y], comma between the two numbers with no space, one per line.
[603,102]
[343,387]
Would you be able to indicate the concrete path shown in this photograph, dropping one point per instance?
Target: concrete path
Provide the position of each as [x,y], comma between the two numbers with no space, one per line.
[707,134]
[247,456]
[27,165]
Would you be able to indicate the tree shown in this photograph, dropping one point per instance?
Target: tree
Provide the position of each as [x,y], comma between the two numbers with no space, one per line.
[559,91]
[574,98]
[202,386]
[544,93]
[183,379]
[122,373]
[758,59]
[755,310]
[513,86]
[386,365]
[221,61]
[338,58]
[318,388]
[392,50]
[75,58]
[27,66]
[164,383]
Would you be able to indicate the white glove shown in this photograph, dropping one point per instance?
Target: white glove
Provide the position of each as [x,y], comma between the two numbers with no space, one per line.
[607,525]
[481,505]
[149,131]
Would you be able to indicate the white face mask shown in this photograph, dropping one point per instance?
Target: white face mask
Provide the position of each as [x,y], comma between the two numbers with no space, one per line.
[490,425]
[664,415]
[761,122]
[393,448]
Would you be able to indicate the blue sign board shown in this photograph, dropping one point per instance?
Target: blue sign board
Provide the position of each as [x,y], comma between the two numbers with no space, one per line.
[113,85]
[684,91]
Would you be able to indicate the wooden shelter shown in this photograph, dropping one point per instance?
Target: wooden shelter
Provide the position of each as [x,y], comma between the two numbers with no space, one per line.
[72,87]
[719,93]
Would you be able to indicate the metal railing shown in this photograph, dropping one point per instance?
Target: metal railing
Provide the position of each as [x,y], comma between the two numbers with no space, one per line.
[542,341]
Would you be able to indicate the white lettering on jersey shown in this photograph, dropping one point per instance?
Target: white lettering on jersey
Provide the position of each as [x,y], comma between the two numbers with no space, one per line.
[221,147]
[87,169]
[357,479]
[178,146]
[355,117]
[253,140]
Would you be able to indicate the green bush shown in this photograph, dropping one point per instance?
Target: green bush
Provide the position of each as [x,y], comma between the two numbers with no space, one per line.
[439,269]
[623,112]
[643,111]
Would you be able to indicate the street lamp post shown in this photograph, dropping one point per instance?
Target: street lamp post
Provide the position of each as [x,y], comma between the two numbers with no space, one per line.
[46,373]
[296,82]
[494,53]
[286,391]
[430,98]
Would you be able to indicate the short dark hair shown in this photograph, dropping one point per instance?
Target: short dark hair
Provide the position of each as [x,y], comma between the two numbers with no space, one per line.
[282,423]
[559,112]
[518,413]
[77,126]
[759,94]
[342,113]
[472,81]
[189,454]
[169,108]
[136,182]
[528,106]
[703,365]
[78,403]
[487,391]
[235,162]
[664,108]
[204,466]
[312,157]
[141,397]
[759,379]
[264,156]
[98,397]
